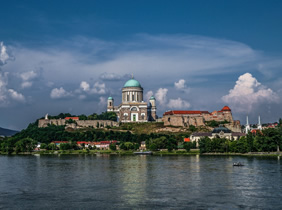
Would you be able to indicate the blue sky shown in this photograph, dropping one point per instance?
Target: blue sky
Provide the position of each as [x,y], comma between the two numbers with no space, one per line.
[69,56]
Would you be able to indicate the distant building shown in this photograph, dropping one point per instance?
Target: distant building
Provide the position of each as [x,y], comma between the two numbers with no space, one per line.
[143,146]
[183,118]
[133,108]
[221,132]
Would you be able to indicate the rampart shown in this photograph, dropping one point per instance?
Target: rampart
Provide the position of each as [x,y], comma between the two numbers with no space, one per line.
[78,123]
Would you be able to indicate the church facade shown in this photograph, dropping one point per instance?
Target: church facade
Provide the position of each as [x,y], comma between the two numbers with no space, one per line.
[133,108]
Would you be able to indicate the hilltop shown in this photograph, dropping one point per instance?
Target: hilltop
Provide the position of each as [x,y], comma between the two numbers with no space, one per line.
[7,132]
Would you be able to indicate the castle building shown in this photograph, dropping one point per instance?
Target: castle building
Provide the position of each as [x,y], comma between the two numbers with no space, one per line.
[181,118]
[132,107]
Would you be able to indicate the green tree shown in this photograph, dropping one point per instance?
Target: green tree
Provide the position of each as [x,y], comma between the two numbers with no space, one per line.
[65,146]
[52,146]
[82,117]
[43,146]
[153,147]
[113,147]
[25,145]
[187,146]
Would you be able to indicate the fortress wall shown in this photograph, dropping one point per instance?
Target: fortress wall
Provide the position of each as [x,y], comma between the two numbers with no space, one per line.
[95,123]
[79,123]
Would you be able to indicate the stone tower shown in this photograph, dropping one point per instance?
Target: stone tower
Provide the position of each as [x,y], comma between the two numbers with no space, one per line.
[259,124]
[110,107]
[152,109]
[247,128]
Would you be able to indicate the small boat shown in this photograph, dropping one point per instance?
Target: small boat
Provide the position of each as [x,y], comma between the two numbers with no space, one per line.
[143,153]
[238,164]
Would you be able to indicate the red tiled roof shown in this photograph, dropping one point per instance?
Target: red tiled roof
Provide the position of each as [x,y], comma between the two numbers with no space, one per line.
[83,142]
[58,142]
[226,108]
[185,112]
[73,118]
[186,139]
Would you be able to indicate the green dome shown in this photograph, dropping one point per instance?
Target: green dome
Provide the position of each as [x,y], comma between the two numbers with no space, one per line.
[152,98]
[110,98]
[132,83]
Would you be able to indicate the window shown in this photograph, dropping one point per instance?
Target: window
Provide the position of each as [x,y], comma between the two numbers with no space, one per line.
[127,98]
[110,103]
[132,97]
[134,109]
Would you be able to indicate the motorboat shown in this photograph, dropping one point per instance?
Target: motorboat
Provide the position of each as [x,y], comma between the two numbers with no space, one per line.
[238,164]
[143,153]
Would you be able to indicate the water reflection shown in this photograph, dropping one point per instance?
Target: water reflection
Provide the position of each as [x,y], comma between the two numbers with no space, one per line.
[87,181]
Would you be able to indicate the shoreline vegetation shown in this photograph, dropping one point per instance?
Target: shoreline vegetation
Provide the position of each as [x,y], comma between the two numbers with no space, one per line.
[131,152]
[132,137]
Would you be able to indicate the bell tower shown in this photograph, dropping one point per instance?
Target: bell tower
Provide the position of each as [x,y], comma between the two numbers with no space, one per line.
[110,107]
[152,109]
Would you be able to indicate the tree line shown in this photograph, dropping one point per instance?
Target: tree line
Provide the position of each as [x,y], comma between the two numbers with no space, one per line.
[267,140]
[103,116]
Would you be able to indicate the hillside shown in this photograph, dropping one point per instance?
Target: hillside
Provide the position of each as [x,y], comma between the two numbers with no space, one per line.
[7,132]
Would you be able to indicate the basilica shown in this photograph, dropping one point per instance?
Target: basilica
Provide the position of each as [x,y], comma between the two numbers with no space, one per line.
[132,107]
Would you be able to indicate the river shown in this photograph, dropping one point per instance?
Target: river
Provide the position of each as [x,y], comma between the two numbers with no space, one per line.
[139,182]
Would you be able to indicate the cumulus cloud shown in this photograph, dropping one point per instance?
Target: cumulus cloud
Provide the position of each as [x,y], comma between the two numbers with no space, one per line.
[148,95]
[8,94]
[57,93]
[180,84]
[248,93]
[84,86]
[161,96]
[99,88]
[16,96]
[27,78]
[3,54]
[178,104]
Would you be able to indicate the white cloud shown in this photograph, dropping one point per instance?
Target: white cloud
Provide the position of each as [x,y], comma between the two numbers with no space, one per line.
[99,88]
[57,93]
[28,75]
[178,104]
[6,95]
[16,96]
[26,84]
[84,86]
[148,95]
[3,54]
[161,96]
[27,78]
[248,93]
[180,84]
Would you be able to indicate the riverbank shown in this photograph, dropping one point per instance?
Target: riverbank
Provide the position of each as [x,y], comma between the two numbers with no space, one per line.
[131,152]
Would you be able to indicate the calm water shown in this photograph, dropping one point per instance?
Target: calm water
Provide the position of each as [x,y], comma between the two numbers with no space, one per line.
[146,182]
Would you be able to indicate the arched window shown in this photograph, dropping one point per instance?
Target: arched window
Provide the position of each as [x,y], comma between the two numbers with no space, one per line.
[134,109]
[110,103]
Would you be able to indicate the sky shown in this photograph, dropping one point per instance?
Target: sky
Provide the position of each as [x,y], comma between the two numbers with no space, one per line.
[69,56]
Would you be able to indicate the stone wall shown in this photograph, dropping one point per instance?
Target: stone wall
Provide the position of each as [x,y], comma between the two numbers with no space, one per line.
[79,123]
[185,120]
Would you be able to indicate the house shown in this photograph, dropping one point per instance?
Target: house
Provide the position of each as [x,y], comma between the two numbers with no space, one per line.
[221,132]
[143,146]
